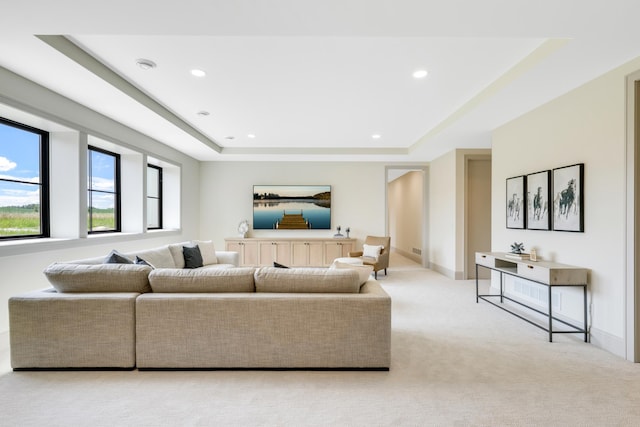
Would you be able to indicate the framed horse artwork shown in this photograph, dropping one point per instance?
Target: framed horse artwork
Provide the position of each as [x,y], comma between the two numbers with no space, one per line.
[516,207]
[568,198]
[538,206]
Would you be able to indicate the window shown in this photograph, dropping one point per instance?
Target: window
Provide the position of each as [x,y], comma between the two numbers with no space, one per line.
[104,191]
[154,197]
[24,181]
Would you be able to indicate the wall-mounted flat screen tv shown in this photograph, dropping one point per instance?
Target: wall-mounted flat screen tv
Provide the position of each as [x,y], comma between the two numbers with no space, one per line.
[291,207]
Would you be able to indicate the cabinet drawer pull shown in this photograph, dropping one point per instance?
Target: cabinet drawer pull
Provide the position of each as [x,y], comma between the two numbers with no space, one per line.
[483,256]
[530,266]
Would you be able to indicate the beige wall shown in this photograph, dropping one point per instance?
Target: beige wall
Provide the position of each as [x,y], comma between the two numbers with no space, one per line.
[447,207]
[357,192]
[586,126]
[442,213]
[406,212]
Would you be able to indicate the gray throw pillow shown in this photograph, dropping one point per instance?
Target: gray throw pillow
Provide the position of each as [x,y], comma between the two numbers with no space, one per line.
[116,257]
[140,261]
[192,256]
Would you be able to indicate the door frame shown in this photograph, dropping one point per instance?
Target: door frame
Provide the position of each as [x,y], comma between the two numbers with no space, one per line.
[467,159]
[632,232]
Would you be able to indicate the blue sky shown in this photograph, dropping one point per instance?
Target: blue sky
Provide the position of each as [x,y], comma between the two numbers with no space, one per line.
[19,158]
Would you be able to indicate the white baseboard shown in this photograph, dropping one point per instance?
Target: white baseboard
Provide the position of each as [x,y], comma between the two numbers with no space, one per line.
[455,275]
[410,255]
[608,342]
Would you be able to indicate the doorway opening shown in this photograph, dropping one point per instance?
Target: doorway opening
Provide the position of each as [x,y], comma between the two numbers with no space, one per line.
[407,211]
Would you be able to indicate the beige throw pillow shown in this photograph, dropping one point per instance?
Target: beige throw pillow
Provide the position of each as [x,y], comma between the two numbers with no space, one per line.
[207,250]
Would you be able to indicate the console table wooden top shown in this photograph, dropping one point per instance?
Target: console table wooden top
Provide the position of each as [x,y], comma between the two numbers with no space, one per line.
[545,272]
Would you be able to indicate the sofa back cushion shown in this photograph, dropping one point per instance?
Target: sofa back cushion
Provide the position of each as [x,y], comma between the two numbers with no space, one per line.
[157,257]
[202,280]
[99,277]
[306,280]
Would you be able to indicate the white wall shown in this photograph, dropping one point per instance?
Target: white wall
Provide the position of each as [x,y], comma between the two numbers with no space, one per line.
[22,262]
[586,126]
[357,192]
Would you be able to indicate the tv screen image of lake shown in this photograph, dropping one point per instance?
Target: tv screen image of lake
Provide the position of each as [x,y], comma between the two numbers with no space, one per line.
[292,214]
[291,207]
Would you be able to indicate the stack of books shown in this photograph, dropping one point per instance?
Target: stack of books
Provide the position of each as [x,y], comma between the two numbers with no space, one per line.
[517,256]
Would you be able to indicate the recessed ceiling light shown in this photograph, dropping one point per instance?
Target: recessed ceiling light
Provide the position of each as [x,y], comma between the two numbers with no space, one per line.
[145,64]
[419,74]
[198,73]
[203,113]
[251,136]
[376,136]
[229,137]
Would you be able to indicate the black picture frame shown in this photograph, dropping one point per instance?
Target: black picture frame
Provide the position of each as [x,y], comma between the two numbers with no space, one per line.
[516,208]
[539,204]
[568,198]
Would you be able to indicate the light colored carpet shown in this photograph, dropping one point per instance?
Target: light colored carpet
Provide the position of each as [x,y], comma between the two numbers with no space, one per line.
[454,363]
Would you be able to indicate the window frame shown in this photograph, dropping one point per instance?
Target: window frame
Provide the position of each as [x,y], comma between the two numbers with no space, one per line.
[159,198]
[117,191]
[45,220]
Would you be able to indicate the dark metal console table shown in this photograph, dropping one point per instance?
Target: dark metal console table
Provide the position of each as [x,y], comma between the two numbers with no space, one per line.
[549,274]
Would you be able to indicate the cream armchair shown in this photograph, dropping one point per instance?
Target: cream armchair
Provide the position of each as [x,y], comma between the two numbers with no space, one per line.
[370,256]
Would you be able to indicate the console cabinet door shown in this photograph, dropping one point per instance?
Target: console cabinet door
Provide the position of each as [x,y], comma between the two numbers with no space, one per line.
[316,252]
[248,251]
[271,252]
[306,254]
[333,250]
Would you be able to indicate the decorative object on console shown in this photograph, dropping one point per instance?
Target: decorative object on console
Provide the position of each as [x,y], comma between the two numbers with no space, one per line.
[533,255]
[517,248]
[338,234]
[348,230]
[517,252]
[243,228]
[538,206]
[568,190]
[516,208]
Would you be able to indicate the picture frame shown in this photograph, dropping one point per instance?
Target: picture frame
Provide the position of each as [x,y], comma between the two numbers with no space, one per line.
[538,205]
[515,202]
[568,198]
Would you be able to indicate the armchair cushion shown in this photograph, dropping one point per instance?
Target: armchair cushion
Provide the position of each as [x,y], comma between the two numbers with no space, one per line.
[372,251]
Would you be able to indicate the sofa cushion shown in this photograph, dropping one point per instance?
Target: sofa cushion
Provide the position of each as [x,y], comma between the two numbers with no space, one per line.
[306,280]
[157,257]
[364,271]
[202,280]
[192,256]
[176,253]
[207,250]
[99,277]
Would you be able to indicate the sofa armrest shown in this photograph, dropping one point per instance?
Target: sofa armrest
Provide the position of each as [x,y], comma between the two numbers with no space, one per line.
[228,257]
[72,330]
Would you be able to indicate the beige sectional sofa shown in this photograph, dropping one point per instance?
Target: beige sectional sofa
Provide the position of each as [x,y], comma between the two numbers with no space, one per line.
[218,316]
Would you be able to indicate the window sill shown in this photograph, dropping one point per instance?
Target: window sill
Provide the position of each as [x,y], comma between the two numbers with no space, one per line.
[27,246]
